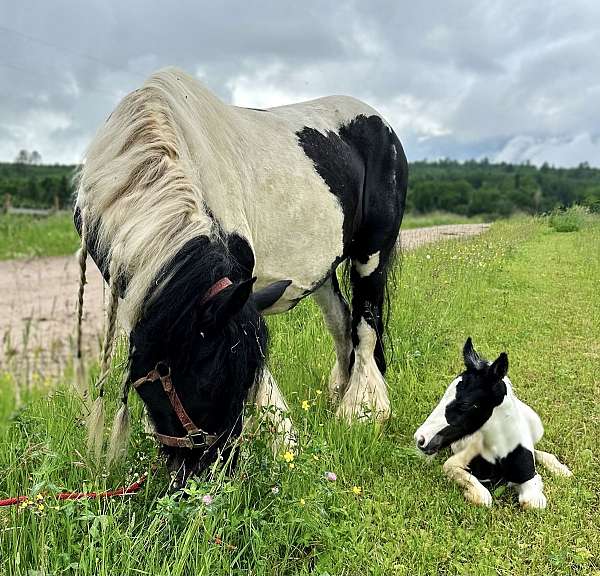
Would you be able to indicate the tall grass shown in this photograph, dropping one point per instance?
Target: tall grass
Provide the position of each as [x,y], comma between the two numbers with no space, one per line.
[506,289]
[568,219]
[24,236]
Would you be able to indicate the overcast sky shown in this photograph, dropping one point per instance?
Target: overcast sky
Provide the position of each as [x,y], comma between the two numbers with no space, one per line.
[510,80]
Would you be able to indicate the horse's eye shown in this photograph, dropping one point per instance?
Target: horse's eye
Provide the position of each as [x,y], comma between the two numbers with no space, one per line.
[475,406]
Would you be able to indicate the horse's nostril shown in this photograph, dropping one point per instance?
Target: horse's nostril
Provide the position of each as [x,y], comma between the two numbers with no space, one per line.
[421,441]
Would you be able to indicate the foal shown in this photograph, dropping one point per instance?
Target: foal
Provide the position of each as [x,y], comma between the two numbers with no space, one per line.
[491,432]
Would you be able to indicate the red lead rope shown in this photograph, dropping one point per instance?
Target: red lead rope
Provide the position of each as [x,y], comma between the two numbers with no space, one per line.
[131,489]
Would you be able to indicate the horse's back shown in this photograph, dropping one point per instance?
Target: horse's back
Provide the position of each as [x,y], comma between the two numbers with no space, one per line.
[291,181]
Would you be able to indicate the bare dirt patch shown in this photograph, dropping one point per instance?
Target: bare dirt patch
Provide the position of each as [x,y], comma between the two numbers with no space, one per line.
[38,303]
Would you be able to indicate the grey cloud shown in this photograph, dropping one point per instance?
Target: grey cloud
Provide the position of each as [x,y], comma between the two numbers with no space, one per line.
[516,80]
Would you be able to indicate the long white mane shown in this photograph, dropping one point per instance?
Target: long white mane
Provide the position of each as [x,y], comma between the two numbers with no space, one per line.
[137,180]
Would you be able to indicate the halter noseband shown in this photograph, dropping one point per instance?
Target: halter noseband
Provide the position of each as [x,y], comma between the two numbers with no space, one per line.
[195,437]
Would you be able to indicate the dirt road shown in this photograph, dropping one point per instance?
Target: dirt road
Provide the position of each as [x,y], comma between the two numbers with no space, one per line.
[37,303]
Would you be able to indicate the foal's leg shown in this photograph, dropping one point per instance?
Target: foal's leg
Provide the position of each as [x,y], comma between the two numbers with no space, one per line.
[338,321]
[266,394]
[531,493]
[366,395]
[456,469]
[551,463]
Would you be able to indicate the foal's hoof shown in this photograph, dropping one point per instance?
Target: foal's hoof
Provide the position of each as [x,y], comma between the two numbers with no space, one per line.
[478,495]
[561,470]
[533,501]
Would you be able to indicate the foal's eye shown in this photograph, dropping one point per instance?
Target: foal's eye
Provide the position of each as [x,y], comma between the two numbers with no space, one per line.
[475,405]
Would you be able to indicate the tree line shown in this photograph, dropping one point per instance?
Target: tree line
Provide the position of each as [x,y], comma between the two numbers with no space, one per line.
[470,188]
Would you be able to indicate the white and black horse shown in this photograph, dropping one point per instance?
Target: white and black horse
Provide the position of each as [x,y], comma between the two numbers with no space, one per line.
[491,432]
[203,216]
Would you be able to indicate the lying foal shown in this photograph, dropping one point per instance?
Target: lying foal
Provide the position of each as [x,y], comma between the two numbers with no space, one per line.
[491,432]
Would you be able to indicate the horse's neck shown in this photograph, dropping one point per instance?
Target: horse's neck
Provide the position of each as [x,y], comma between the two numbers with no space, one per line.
[503,431]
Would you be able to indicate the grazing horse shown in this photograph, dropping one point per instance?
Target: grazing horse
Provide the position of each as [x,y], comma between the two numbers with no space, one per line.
[203,216]
[491,432]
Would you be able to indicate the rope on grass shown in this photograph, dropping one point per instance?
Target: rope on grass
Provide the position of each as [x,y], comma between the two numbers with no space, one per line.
[124,491]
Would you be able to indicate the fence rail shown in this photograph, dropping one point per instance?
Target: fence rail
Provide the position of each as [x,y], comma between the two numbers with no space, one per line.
[8,208]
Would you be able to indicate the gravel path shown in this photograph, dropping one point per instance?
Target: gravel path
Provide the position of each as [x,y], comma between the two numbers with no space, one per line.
[37,307]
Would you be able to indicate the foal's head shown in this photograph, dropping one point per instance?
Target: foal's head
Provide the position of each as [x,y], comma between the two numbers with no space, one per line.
[203,331]
[467,403]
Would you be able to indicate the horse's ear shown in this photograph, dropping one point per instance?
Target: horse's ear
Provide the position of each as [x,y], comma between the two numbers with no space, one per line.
[499,369]
[267,296]
[228,302]
[470,356]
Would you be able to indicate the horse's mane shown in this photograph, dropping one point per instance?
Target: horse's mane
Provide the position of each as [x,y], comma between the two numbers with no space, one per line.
[137,187]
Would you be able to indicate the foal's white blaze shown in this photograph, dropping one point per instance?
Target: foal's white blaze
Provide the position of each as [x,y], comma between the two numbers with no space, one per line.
[436,421]
[368,267]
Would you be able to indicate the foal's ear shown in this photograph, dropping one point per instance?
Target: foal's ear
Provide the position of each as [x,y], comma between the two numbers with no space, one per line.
[227,302]
[267,296]
[470,356]
[499,369]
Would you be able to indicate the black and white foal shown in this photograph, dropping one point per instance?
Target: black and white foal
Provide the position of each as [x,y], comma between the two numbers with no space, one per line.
[491,432]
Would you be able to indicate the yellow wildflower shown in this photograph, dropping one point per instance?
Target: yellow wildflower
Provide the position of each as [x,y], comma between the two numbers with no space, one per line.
[302,502]
[319,392]
[291,465]
[288,456]
[357,490]
[305,405]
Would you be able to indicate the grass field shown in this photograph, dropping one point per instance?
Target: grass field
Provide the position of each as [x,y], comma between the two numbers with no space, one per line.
[522,287]
[28,237]
[438,219]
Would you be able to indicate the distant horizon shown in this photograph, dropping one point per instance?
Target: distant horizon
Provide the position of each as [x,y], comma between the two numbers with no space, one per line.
[584,164]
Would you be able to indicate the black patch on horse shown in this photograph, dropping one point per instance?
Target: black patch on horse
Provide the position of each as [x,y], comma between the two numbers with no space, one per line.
[241,255]
[365,167]
[342,169]
[215,349]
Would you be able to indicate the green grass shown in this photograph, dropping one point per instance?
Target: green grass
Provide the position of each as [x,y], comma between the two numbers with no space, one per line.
[569,219]
[522,288]
[438,219]
[30,236]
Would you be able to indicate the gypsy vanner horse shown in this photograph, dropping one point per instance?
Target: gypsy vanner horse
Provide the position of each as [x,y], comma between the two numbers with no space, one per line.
[203,216]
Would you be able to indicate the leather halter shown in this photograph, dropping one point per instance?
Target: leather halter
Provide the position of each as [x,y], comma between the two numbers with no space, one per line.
[195,437]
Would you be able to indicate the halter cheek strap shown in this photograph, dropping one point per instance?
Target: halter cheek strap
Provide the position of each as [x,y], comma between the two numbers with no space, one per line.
[215,289]
[196,437]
